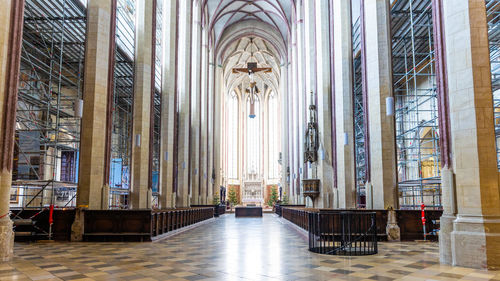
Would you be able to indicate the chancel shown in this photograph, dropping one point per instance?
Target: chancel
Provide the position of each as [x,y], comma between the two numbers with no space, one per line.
[239,139]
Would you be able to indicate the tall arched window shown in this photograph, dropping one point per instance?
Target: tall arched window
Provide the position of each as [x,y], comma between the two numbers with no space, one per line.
[232,136]
[253,139]
[274,136]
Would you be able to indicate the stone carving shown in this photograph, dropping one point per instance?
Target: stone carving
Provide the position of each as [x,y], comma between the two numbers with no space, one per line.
[6,239]
[311,141]
[392,229]
[78,226]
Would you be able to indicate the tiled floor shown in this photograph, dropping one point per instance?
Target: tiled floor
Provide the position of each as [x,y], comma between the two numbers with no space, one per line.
[228,249]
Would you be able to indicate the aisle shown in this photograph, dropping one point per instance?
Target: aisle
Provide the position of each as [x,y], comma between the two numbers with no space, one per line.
[227,248]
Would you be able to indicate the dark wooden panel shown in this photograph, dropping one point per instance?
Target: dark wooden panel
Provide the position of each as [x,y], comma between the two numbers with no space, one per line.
[248,212]
[61,227]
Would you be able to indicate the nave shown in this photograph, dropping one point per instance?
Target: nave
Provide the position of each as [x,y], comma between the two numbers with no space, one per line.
[229,248]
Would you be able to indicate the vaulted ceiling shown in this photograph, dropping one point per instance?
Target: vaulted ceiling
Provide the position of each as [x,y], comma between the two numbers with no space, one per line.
[223,13]
[250,49]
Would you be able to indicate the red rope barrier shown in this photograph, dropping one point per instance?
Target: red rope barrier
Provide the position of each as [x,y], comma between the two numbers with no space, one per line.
[3,216]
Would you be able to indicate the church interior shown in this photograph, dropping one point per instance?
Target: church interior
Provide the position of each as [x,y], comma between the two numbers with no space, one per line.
[249,140]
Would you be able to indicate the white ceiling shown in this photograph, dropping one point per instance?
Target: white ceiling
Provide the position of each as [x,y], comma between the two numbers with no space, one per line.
[224,13]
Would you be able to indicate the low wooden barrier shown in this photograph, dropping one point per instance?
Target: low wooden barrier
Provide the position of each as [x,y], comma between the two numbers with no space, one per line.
[139,225]
[32,225]
[298,216]
[279,207]
[409,221]
[164,221]
[218,209]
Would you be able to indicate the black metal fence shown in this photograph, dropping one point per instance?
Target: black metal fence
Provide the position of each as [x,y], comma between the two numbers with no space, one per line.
[343,233]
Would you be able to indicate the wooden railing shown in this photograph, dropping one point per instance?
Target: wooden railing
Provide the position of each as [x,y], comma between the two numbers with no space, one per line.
[279,207]
[218,209]
[139,225]
[409,221]
[164,221]
[298,216]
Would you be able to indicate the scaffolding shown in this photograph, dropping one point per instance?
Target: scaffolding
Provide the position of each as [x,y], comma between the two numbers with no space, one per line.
[122,109]
[49,105]
[157,105]
[416,114]
[359,122]
[493,16]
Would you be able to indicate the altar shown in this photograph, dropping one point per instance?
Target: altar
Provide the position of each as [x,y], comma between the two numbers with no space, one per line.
[248,212]
[252,193]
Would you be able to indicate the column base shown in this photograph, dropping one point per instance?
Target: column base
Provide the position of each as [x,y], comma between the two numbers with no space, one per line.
[446,227]
[149,202]
[6,239]
[392,229]
[105,197]
[77,228]
[369,195]
[475,242]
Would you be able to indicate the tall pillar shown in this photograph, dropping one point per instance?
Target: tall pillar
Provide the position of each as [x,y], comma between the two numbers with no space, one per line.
[11,30]
[324,104]
[211,136]
[93,183]
[217,149]
[196,105]
[204,174]
[298,111]
[311,85]
[184,104]
[284,94]
[447,177]
[139,195]
[168,105]
[475,239]
[378,57]
[344,103]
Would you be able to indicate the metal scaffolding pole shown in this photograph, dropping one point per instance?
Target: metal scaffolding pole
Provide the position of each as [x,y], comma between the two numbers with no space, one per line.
[416,115]
[157,105]
[359,116]
[122,109]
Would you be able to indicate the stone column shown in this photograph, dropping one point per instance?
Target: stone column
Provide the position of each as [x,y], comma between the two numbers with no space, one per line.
[11,34]
[311,85]
[168,106]
[139,198]
[447,175]
[381,130]
[475,240]
[184,104]
[218,128]
[204,174]
[284,95]
[196,105]
[344,103]
[324,104]
[211,137]
[299,105]
[93,185]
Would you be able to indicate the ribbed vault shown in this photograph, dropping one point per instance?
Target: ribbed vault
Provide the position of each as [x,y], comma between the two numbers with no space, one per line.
[250,49]
[224,13]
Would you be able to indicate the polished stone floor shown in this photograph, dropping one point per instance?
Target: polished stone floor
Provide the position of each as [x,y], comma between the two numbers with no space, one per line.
[227,248]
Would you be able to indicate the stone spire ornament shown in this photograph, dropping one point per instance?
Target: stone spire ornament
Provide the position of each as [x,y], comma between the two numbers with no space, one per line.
[311,142]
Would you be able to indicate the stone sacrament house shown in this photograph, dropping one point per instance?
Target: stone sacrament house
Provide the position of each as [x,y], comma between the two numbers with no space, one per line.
[130,120]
